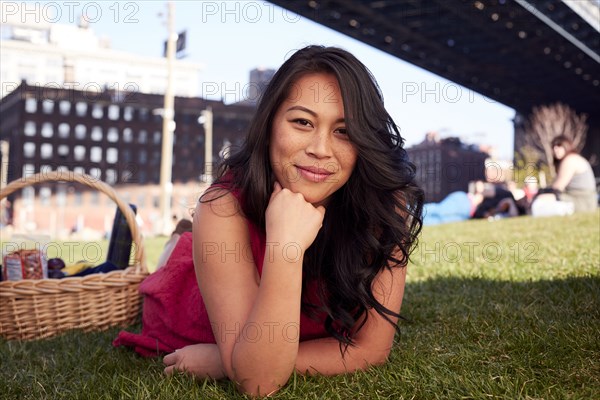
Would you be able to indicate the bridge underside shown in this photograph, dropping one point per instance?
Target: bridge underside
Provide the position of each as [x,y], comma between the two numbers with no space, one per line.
[501,49]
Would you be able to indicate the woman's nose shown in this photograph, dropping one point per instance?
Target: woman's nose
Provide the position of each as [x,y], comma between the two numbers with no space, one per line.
[319,145]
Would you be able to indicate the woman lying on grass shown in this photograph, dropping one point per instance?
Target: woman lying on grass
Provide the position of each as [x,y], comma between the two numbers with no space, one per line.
[323,194]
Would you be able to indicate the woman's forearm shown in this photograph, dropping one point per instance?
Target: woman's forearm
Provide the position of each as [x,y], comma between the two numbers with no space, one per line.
[323,357]
[265,353]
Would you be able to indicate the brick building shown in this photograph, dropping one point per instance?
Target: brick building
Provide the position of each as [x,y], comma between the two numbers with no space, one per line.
[447,165]
[113,136]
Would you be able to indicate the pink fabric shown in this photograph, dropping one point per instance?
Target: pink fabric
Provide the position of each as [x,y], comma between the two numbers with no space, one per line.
[174,314]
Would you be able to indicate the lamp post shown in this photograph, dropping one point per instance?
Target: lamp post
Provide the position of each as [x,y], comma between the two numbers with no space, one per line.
[166,186]
[206,119]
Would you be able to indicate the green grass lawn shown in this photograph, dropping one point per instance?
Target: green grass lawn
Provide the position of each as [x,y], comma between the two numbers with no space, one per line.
[508,309]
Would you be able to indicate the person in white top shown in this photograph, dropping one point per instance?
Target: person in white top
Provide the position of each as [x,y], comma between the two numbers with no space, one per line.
[575,180]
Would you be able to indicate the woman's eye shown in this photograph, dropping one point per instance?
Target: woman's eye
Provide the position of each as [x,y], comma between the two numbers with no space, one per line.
[342,131]
[302,122]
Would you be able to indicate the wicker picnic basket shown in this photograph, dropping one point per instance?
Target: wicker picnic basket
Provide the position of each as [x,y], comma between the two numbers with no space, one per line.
[35,309]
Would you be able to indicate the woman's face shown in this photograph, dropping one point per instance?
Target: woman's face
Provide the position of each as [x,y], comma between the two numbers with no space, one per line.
[309,149]
[559,152]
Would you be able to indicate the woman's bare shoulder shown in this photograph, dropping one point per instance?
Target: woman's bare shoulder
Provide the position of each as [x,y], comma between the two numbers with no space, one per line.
[576,162]
[220,203]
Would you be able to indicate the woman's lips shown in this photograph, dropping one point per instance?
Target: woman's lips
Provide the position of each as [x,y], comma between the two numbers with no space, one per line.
[313,174]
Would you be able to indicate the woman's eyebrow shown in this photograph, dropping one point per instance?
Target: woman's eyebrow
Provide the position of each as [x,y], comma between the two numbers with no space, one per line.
[309,111]
[300,108]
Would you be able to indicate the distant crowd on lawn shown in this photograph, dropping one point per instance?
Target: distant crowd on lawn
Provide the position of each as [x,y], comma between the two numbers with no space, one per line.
[573,190]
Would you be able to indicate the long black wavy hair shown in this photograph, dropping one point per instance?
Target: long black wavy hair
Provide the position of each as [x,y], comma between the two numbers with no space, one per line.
[372,222]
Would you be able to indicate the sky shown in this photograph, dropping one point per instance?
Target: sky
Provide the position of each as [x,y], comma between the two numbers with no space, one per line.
[230,38]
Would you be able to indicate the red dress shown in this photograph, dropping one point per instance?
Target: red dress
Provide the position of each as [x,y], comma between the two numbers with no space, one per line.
[174,313]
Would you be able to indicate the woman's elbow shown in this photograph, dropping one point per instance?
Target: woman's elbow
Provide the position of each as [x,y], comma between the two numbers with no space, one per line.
[257,389]
[374,358]
[380,358]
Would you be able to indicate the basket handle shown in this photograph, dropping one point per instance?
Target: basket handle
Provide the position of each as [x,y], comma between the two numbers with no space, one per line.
[71,176]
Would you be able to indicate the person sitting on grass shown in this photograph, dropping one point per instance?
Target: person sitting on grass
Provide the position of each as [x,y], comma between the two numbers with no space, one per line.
[457,206]
[575,180]
[497,202]
[324,195]
[184,225]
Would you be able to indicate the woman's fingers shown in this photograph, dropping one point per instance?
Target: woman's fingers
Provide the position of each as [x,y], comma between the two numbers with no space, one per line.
[170,358]
[321,209]
[291,219]
[169,370]
[276,189]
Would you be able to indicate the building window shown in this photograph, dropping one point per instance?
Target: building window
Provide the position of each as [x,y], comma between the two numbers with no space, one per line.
[63,130]
[95,172]
[47,130]
[64,107]
[79,170]
[126,176]
[95,198]
[113,112]
[63,150]
[29,149]
[155,157]
[143,113]
[46,151]
[48,106]
[78,198]
[112,135]
[97,111]
[96,154]
[112,155]
[45,194]
[128,113]
[61,194]
[79,152]
[111,176]
[45,168]
[157,137]
[81,109]
[28,170]
[142,156]
[80,132]
[96,134]
[143,136]
[142,176]
[127,136]
[28,196]
[31,105]
[29,129]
